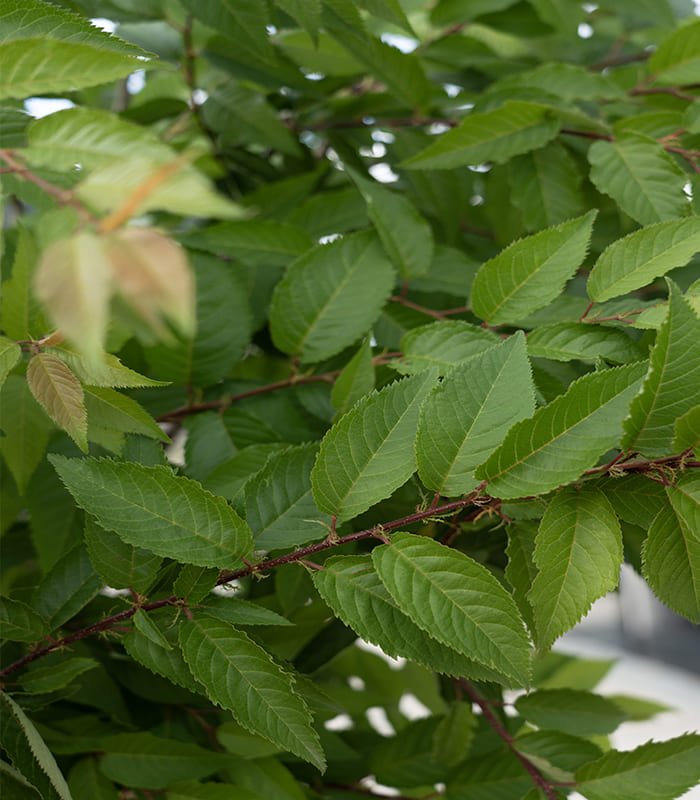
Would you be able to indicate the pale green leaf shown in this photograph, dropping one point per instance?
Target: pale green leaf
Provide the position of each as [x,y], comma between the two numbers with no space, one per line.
[60,394]
[25,440]
[280,508]
[635,260]
[654,771]
[69,586]
[350,586]
[636,498]
[557,755]
[120,565]
[545,186]
[578,554]
[677,59]
[356,380]
[571,711]
[468,414]
[369,452]
[570,82]
[10,354]
[109,409]
[330,297]
[564,438]
[687,431]
[242,612]
[150,762]
[230,478]
[406,236]
[19,622]
[672,385]
[640,177]
[532,272]
[40,679]
[638,709]
[29,753]
[22,317]
[457,601]
[441,345]
[514,128]
[240,676]
[671,553]
[566,341]
[146,627]
[150,507]
[109,372]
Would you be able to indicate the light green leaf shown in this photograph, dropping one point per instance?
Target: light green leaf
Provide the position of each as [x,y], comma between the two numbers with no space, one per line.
[110,372]
[306,12]
[545,186]
[457,601]
[150,507]
[566,341]
[671,553]
[578,554]
[369,452]
[672,384]
[441,345]
[556,754]
[280,508]
[638,709]
[67,588]
[571,711]
[10,354]
[406,236]
[454,734]
[149,762]
[39,679]
[570,82]
[640,177]
[350,586]
[60,394]
[119,564]
[564,438]
[532,272]
[242,612]
[468,414]
[195,583]
[240,676]
[22,317]
[677,59]
[636,498]
[635,260]
[521,570]
[107,409]
[330,297]
[230,478]
[19,622]
[29,753]
[514,128]
[146,627]
[356,380]
[654,771]
[687,431]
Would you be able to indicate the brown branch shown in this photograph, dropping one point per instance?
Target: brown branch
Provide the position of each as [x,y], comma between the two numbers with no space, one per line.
[499,729]
[63,197]
[671,90]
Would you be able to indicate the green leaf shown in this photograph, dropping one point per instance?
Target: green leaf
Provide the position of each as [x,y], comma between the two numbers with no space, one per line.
[441,345]
[67,588]
[356,380]
[521,570]
[672,384]
[350,586]
[489,776]
[60,394]
[566,437]
[38,680]
[514,128]
[19,622]
[575,712]
[223,329]
[29,753]
[149,762]
[110,372]
[654,771]
[306,12]
[687,431]
[145,626]
[454,734]
[456,600]
[532,272]
[468,414]
[10,354]
[640,177]
[242,612]
[369,452]
[25,441]
[240,676]
[107,409]
[578,554]
[86,782]
[330,297]
[635,260]
[118,563]
[557,755]
[150,507]
[545,186]
[566,341]
[677,59]
[638,709]
[406,236]
[195,583]
[22,316]
[406,759]
[280,508]
[13,784]
[229,479]
[210,791]
[671,554]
